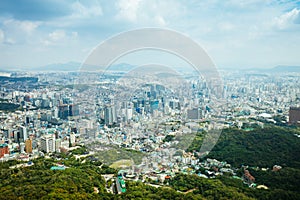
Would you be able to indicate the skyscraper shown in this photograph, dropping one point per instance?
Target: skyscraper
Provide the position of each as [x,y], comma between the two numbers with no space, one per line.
[23,133]
[63,111]
[109,115]
[28,146]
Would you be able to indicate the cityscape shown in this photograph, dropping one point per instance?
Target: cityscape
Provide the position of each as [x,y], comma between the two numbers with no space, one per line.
[111,126]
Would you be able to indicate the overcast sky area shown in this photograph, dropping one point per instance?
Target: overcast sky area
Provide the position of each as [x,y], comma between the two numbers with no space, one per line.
[235,33]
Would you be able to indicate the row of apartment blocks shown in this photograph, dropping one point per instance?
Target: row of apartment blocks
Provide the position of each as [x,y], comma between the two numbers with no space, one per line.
[48,144]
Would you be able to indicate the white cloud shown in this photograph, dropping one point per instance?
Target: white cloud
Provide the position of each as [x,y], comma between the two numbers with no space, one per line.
[128,9]
[160,20]
[24,26]
[247,3]
[57,35]
[226,26]
[149,12]
[82,11]
[1,36]
[10,41]
[28,26]
[47,42]
[287,19]
[19,31]
[74,34]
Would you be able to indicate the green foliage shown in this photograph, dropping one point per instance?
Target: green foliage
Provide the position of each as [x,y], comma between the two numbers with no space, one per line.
[208,188]
[259,147]
[264,148]
[112,155]
[45,184]
[80,151]
[78,182]
[4,165]
[168,138]
[197,142]
[39,182]
[137,190]
[285,179]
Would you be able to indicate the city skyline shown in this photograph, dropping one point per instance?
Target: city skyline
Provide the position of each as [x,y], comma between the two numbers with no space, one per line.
[235,34]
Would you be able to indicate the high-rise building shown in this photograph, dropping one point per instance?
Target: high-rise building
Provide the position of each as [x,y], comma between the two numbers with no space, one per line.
[294,116]
[22,147]
[63,111]
[55,112]
[28,146]
[154,105]
[129,113]
[193,114]
[3,150]
[73,110]
[23,133]
[16,135]
[109,115]
[48,143]
[72,139]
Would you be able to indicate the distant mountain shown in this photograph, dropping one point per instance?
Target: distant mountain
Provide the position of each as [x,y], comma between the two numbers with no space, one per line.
[121,67]
[282,68]
[76,66]
[70,66]
[277,69]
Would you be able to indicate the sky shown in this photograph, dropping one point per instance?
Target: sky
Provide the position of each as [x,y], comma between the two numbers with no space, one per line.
[235,33]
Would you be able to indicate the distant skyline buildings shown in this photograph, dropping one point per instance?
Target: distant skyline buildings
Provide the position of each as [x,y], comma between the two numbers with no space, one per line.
[238,34]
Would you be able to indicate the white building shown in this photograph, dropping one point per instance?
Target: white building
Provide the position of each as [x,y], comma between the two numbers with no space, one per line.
[72,139]
[22,147]
[23,133]
[48,143]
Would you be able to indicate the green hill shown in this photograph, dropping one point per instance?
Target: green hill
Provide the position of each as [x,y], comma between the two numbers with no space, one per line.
[259,147]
